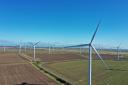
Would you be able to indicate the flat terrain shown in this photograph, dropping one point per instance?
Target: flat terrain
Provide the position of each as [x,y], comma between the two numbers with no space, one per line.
[44,56]
[73,66]
[69,64]
[67,55]
[59,57]
[70,57]
[10,58]
[14,70]
[76,72]
[13,74]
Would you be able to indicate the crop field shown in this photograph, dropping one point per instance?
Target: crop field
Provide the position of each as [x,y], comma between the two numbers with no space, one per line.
[56,55]
[73,66]
[15,74]
[76,72]
[11,58]
[71,54]
[69,64]
[14,70]
[9,50]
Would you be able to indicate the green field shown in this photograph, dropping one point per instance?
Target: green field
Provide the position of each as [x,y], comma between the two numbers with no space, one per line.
[76,72]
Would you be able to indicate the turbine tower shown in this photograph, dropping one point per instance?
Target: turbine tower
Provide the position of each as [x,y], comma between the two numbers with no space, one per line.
[91,47]
[4,49]
[118,55]
[25,47]
[19,48]
[49,49]
[34,54]
[80,50]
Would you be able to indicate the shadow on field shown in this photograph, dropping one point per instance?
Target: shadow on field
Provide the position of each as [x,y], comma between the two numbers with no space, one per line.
[24,83]
[117,69]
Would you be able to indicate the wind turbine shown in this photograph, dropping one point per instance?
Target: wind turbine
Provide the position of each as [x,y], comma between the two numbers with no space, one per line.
[4,49]
[90,55]
[20,49]
[80,50]
[25,47]
[49,49]
[118,55]
[34,46]
[53,47]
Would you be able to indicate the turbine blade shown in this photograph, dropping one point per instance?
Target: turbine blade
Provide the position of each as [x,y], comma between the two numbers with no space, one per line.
[36,43]
[119,45]
[106,65]
[77,45]
[95,32]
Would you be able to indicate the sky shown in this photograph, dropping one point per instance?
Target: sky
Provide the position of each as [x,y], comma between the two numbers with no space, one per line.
[65,21]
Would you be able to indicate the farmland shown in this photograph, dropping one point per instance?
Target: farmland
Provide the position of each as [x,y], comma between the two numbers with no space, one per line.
[72,54]
[14,70]
[13,74]
[63,42]
[76,72]
[73,67]
[56,55]
[11,58]
[69,64]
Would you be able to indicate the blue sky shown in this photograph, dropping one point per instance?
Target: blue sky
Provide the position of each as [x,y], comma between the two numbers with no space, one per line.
[64,21]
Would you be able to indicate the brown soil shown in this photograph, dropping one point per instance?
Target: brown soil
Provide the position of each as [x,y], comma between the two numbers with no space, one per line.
[105,56]
[16,74]
[14,70]
[10,58]
[66,57]
[59,57]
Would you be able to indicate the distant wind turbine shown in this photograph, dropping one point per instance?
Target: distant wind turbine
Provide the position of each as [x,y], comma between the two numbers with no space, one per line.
[34,54]
[19,48]
[118,50]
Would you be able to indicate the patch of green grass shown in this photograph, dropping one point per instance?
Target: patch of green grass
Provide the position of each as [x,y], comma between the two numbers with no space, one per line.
[70,70]
[77,72]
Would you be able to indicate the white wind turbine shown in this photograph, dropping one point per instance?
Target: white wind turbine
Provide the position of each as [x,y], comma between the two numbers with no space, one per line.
[118,50]
[4,49]
[19,48]
[90,55]
[49,48]
[34,51]
[25,47]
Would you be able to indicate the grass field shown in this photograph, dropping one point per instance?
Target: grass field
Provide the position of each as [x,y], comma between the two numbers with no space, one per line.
[76,72]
